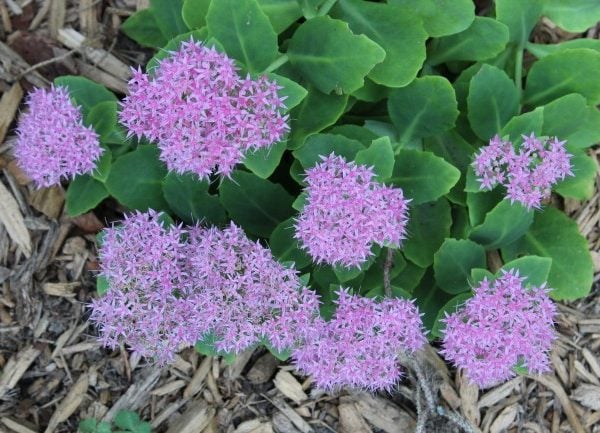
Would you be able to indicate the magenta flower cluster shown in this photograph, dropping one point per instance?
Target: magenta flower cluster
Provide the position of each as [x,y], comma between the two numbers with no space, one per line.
[528,172]
[247,295]
[347,211]
[502,326]
[360,346]
[52,141]
[170,287]
[202,114]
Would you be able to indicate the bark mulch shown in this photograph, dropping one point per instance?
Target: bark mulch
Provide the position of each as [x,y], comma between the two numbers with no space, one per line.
[54,373]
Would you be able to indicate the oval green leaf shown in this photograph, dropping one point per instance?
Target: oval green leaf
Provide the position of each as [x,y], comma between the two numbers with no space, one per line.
[504,224]
[453,262]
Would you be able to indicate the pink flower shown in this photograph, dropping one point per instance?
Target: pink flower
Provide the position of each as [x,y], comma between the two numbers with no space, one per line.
[150,303]
[528,173]
[52,141]
[347,211]
[359,347]
[202,114]
[502,326]
[246,295]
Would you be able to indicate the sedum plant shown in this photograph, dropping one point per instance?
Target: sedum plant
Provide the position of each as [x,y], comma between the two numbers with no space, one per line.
[348,178]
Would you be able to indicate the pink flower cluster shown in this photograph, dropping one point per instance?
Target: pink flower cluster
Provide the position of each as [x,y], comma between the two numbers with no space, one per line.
[52,141]
[170,287]
[202,114]
[528,172]
[359,347]
[247,295]
[347,211]
[502,326]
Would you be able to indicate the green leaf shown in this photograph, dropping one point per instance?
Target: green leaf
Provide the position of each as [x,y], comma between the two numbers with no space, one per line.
[194,13]
[188,197]
[245,32]
[524,124]
[206,346]
[319,145]
[430,299]
[481,202]
[135,179]
[293,92]
[573,15]
[583,184]
[354,132]
[453,262]
[441,17]
[127,419]
[103,117]
[428,226]
[562,73]
[283,355]
[485,38]
[143,427]
[328,54]
[396,31]
[86,93]
[174,45]
[284,245]
[143,28]
[84,193]
[450,307]
[167,14]
[564,116]
[520,17]
[504,224]
[409,277]
[535,269]
[555,235]
[478,275]
[263,162]
[281,13]
[424,108]
[543,50]
[88,425]
[588,132]
[257,205]
[315,113]
[103,165]
[380,156]
[423,176]
[101,285]
[493,100]
[461,226]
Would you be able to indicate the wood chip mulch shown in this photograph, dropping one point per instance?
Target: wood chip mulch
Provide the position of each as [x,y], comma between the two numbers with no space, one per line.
[54,373]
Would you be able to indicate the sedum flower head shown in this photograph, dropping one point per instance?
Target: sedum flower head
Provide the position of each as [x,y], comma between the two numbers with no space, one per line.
[52,141]
[347,211]
[359,347]
[202,114]
[502,326]
[246,294]
[150,303]
[528,172]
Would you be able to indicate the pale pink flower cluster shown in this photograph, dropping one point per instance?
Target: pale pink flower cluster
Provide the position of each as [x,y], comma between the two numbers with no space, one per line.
[347,211]
[53,142]
[202,114]
[528,172]
[170,287]
[360,345]
[504,325]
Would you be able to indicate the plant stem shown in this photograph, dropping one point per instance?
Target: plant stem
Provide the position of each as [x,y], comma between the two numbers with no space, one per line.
[389,261]
[325,7]
[281,60]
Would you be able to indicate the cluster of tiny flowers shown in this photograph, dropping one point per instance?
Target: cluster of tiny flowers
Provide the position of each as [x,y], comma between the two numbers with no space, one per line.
[247,295]
[502,326]
[52,141]
[170,287]
[527,173]
[359,347]
[347,211]
[149,303]
[202,114]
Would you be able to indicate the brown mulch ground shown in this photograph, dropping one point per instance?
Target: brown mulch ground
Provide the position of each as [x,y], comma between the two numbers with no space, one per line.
[54,372]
